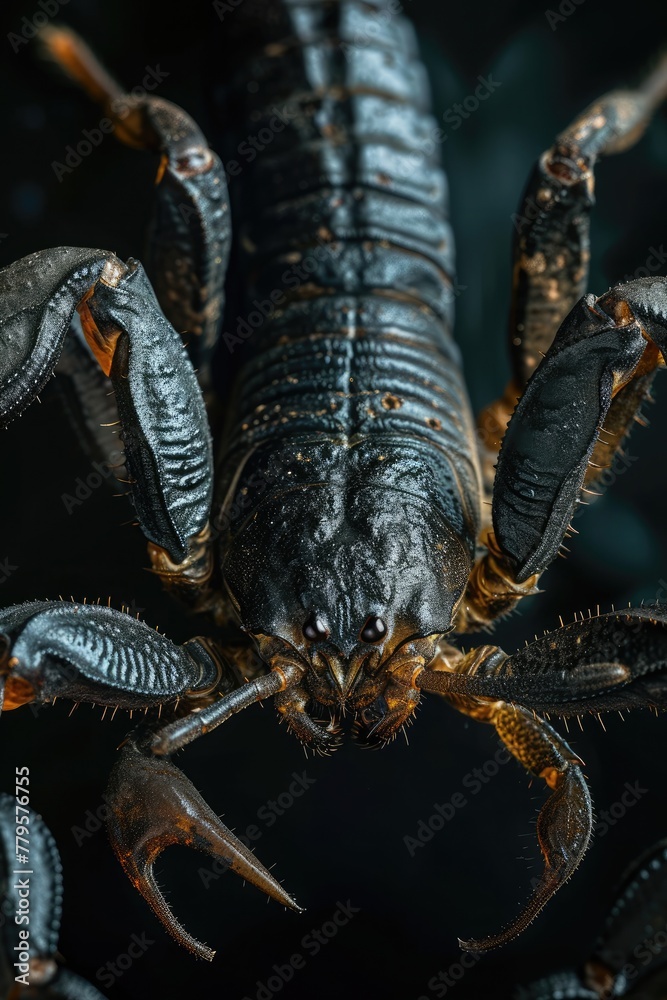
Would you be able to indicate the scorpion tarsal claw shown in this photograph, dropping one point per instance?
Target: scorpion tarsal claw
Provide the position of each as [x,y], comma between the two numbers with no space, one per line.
[153,805]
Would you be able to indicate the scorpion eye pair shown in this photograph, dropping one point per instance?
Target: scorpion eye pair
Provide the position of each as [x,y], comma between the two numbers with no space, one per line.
[374,629]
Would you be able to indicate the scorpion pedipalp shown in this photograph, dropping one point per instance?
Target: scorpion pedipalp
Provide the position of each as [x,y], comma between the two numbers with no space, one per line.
[153,805]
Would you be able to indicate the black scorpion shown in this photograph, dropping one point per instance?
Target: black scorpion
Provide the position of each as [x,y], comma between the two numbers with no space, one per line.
[347,541]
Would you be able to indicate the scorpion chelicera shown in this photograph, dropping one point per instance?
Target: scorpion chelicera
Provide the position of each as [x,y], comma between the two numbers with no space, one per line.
[346,542]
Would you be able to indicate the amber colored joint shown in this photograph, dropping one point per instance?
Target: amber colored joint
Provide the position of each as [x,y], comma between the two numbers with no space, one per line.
[76,59]
[493,590]
[552,776]
[194,571]
[599,978]
[290,673]
[113,272]
[102,343]
[493,420]
[18,691]
[197,160]
[197,693]
[42,971]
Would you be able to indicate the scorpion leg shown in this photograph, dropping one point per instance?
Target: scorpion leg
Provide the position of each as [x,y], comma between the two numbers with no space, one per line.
[551,240]
[551,248]
[189,240]
[565,821]
[608,662]
[88,653]
[44,883]
[573,414]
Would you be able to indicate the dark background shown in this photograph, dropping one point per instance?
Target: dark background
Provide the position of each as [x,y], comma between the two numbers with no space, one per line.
[343,840]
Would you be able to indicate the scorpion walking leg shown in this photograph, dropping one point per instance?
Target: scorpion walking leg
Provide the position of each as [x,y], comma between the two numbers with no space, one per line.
[551,249]
[607,662]
[565,821]
[190,235]
[573,414]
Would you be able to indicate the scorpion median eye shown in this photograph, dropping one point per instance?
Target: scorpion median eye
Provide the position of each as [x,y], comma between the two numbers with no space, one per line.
[315,629]
[374,630]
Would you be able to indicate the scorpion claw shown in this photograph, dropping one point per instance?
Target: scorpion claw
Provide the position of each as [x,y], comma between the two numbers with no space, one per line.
[153,805]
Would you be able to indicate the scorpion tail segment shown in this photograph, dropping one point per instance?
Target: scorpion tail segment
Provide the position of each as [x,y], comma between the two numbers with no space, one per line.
[44,880]
[639,913]
[565,821]
[164,425]
[68,986]
[551,243]
[153,805]
[18,825]
[573,413]
[190,237]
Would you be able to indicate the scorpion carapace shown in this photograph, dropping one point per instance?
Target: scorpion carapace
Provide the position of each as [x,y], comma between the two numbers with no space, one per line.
[310,580]
[347,538]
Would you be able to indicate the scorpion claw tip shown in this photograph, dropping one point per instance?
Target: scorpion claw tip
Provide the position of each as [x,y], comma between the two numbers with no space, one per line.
[474,946]
[153,805]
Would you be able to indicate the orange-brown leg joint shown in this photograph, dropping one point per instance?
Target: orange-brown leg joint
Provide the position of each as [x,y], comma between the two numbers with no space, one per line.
[102,340]
[493,590]
[491,426]
[18,691]
[191,581]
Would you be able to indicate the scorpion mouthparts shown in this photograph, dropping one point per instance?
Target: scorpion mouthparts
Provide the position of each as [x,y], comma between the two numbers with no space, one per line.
[153,805]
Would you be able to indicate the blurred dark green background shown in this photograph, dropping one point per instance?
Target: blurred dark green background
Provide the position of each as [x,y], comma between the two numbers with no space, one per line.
[344,838]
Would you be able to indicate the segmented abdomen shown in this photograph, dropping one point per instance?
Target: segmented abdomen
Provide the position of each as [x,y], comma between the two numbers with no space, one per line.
[343,249]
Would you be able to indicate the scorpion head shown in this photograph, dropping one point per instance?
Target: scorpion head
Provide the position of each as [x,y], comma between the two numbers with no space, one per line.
[326,584]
